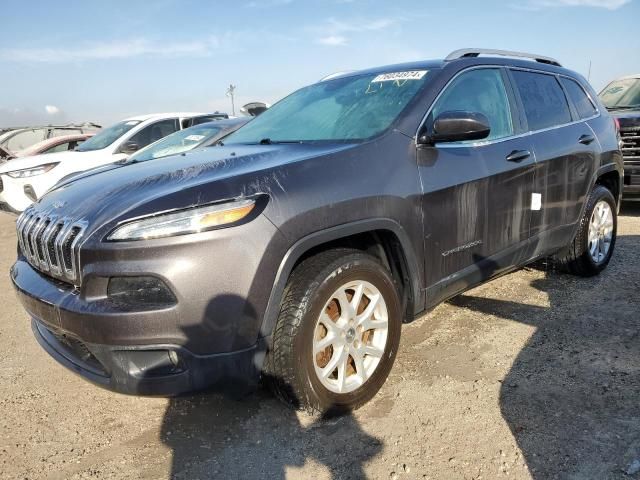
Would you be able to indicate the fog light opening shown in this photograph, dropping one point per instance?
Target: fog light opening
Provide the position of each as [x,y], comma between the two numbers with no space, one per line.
[140,292]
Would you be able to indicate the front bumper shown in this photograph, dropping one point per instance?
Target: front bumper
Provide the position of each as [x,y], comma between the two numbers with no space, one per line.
[150,370]
[13,194]
[221,280]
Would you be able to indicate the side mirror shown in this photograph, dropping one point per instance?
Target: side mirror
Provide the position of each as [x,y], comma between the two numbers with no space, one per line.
[129,148]
[456,126]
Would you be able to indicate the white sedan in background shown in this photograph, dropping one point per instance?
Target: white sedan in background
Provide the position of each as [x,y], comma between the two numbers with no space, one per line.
[25,180]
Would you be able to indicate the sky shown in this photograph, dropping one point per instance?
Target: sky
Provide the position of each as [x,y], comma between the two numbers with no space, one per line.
[101,61]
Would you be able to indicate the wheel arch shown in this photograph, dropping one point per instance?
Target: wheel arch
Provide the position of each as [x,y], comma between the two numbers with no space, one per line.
[610,179]
[384,238]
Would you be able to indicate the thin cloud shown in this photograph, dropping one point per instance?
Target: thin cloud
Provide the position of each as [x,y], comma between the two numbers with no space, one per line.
[335,31]
[332,40]
[52,109]
[109,50]
[540,4]
[267,3]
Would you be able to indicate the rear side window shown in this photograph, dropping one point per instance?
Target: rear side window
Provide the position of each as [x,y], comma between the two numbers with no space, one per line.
[63,147]
[544,102]
[479,91]
[155,132]
[580,99]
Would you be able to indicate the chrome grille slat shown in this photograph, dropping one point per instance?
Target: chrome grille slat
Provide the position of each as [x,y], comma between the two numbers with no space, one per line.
[630,144]
[51,244]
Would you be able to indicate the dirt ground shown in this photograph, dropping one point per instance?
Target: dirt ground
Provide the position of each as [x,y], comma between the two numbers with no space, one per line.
[534,375]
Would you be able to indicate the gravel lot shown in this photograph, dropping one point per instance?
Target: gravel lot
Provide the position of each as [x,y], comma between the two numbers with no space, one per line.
[534,375]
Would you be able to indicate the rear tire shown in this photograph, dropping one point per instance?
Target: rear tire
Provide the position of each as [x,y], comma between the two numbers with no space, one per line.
[592,248]
[337,334]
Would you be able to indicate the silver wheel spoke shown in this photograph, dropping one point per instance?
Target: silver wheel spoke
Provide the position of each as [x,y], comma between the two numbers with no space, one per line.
[342,369]
[357,298]
[329,324]
[373,324]
[361,372]
[373,351]
[346,308]
[323,343]
[368,312]
[333,363]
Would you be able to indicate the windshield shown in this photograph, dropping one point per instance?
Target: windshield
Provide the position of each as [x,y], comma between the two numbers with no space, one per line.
[344,109]
[622,93]
[178,142]
[107,136]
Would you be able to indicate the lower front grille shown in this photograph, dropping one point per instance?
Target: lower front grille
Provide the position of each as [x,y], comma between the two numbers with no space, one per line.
[51,244]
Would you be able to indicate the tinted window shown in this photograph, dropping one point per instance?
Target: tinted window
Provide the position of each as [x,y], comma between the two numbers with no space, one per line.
[63,147]
[351,108]
[479,91]
[579,98]
[154,132]
[106,137]
[204,119]
[179,142]
[544,102]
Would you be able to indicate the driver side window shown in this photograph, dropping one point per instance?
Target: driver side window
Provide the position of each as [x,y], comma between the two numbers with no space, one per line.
[479,91]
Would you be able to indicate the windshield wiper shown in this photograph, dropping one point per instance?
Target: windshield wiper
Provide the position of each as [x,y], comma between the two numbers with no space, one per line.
[126,161]
[623,107]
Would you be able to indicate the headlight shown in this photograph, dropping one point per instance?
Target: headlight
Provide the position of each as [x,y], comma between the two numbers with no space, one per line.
[32,172]
[193,220]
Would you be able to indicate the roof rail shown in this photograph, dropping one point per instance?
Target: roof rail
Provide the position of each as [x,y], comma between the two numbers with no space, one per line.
[475,52]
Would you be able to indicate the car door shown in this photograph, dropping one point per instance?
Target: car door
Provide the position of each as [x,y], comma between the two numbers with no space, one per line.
[566,150]
[476,195]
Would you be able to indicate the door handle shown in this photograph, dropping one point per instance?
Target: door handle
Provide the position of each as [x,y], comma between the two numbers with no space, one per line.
[586,139]
[518,155]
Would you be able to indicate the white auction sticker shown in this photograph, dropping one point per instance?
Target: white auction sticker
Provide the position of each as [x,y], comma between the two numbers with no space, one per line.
[194,138]
[392,77]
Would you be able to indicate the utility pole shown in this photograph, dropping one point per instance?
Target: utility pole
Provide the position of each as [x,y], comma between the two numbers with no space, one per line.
[230,93]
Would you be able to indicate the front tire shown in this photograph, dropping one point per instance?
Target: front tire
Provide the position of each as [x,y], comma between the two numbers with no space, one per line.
[337,334]
[592,248]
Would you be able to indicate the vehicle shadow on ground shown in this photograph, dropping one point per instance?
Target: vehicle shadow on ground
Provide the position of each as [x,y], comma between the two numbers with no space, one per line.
[571,398]
[218,435]
[212,436]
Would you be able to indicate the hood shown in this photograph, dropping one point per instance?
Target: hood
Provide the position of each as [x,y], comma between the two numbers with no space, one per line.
[627,118]
[43,159]
[180,181]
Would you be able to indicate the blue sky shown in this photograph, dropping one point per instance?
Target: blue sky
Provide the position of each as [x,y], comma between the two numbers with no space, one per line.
[104,60]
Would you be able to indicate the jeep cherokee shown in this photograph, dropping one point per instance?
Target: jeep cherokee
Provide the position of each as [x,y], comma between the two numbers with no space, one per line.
[297,249]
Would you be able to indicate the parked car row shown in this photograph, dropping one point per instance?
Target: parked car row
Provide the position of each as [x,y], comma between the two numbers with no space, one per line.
[296,248]
[24,180]
[14,141]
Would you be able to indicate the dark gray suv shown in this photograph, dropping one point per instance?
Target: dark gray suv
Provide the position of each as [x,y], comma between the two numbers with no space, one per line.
[297,249]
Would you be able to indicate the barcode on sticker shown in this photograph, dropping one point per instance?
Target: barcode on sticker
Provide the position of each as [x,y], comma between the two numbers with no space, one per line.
[392,77]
